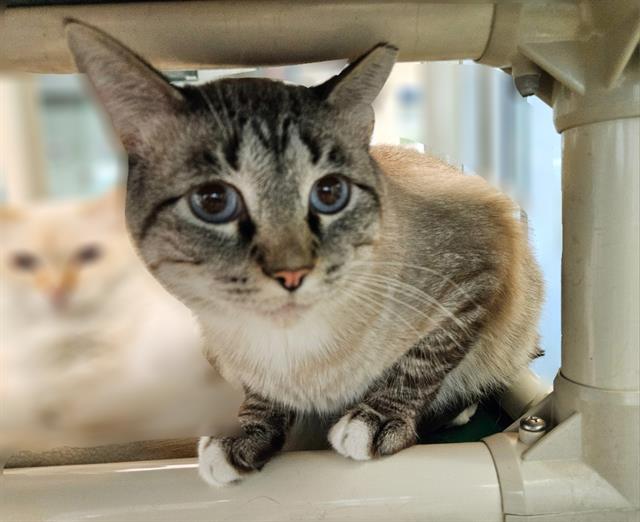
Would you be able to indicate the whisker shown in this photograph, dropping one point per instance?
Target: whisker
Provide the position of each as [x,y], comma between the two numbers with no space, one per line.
[377,307]
[407,288]
[417,310]
[400,264]
[153,266]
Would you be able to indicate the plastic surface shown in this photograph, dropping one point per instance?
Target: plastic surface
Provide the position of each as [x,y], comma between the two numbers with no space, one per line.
[601,254]
[202,34]
[440,483]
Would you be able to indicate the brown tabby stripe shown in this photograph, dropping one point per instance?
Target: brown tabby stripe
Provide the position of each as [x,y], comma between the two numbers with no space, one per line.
[394,406]
[151,217]
[264,427]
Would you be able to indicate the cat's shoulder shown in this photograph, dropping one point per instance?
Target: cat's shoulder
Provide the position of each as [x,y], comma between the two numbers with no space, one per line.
[396,161]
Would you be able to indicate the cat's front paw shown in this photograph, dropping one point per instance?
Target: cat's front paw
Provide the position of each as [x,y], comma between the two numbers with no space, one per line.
[364,434]
[213,464]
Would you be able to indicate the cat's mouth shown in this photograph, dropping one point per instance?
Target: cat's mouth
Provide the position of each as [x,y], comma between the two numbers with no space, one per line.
[285,313]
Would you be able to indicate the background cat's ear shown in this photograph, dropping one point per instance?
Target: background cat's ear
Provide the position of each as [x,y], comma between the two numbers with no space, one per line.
[9,214]
[131,89]
[108,208]
[361,81]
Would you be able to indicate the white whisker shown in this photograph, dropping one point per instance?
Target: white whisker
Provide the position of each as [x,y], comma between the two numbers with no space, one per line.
[417,293]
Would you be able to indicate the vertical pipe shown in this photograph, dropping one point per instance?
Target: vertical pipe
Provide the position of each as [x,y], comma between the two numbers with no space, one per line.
[600,374]
[601,254]
[21,155]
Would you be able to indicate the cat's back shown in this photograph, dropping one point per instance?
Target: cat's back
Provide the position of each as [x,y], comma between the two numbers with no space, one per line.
[429,177]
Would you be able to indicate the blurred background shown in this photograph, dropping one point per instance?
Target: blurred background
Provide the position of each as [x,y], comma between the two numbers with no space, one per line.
[60,165]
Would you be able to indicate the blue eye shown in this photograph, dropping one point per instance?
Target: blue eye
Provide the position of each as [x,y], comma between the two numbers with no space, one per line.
[330,194]
[215,202]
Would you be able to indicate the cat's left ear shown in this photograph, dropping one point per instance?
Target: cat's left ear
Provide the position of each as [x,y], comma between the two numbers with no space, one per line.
[132,91]
[362,80]
[9,214]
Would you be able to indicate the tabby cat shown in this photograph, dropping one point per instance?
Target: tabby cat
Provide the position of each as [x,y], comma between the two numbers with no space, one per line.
[376,285]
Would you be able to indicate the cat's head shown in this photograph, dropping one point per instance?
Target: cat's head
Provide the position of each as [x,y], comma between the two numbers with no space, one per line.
[248,194]
[62,259]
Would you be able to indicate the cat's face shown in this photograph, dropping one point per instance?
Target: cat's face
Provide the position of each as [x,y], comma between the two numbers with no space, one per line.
[266,220]
[62,259]
[245,195]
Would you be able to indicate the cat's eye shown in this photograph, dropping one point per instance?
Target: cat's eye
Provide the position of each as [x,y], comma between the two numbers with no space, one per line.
[330,194]
[25,261]
[216,202]
[88,254]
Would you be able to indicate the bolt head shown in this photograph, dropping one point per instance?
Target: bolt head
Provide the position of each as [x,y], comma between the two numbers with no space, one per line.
[533,424]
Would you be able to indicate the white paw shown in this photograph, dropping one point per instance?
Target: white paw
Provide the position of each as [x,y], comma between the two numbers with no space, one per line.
[351,438]
[213,466]
[464,416]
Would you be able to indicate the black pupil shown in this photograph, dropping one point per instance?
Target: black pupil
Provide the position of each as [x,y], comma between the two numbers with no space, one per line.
[213,199]
[329,190]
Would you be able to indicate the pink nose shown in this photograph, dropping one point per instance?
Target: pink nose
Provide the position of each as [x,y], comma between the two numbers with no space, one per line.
[58,297]
[291,279]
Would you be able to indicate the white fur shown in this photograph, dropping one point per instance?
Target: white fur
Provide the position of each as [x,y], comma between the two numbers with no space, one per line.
[464,416]
[213,466]
[351,438]
[122,362]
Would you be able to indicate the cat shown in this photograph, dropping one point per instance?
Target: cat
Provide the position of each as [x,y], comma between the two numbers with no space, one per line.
[93,350]
[374,286]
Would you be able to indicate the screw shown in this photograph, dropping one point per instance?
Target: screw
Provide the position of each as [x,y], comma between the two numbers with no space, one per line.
[531,429]
[533,423]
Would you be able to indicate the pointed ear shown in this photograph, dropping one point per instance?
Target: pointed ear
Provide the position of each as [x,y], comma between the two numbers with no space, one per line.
[9,214]
[131,90]
[361,82]
[110,202]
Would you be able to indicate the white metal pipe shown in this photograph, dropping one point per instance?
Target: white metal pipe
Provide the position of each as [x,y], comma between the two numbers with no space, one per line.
[601,254]
[440,483]
[202,34]
[526,391]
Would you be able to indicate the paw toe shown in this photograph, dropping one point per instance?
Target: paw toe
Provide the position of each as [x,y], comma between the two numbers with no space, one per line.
[213,466]
[464,416]
[352,438]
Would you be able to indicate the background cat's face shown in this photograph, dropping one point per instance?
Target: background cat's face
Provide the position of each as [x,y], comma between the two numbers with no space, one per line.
[244,195]
[62,259]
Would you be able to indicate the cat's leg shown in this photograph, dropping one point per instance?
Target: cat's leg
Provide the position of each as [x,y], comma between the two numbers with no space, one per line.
[386,420]
[264,430]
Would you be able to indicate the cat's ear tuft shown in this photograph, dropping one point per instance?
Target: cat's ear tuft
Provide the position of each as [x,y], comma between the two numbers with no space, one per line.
[131,90]
[362,80]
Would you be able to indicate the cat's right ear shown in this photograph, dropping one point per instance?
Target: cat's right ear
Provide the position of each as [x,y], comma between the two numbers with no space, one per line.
[132,91]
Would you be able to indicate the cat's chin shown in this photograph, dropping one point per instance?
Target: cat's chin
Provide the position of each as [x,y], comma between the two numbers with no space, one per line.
[284,315]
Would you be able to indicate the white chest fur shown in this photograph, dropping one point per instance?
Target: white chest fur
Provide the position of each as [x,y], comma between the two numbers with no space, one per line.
[314,365]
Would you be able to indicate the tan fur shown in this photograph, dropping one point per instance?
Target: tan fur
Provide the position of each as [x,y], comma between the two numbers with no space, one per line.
[423,292]
[337,365]
[118,361]
[510,338]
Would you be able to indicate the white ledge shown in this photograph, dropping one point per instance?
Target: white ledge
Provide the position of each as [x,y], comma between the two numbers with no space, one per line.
[443,483]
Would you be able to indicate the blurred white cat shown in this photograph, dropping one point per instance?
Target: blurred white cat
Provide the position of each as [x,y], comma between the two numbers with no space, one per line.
[92,349]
